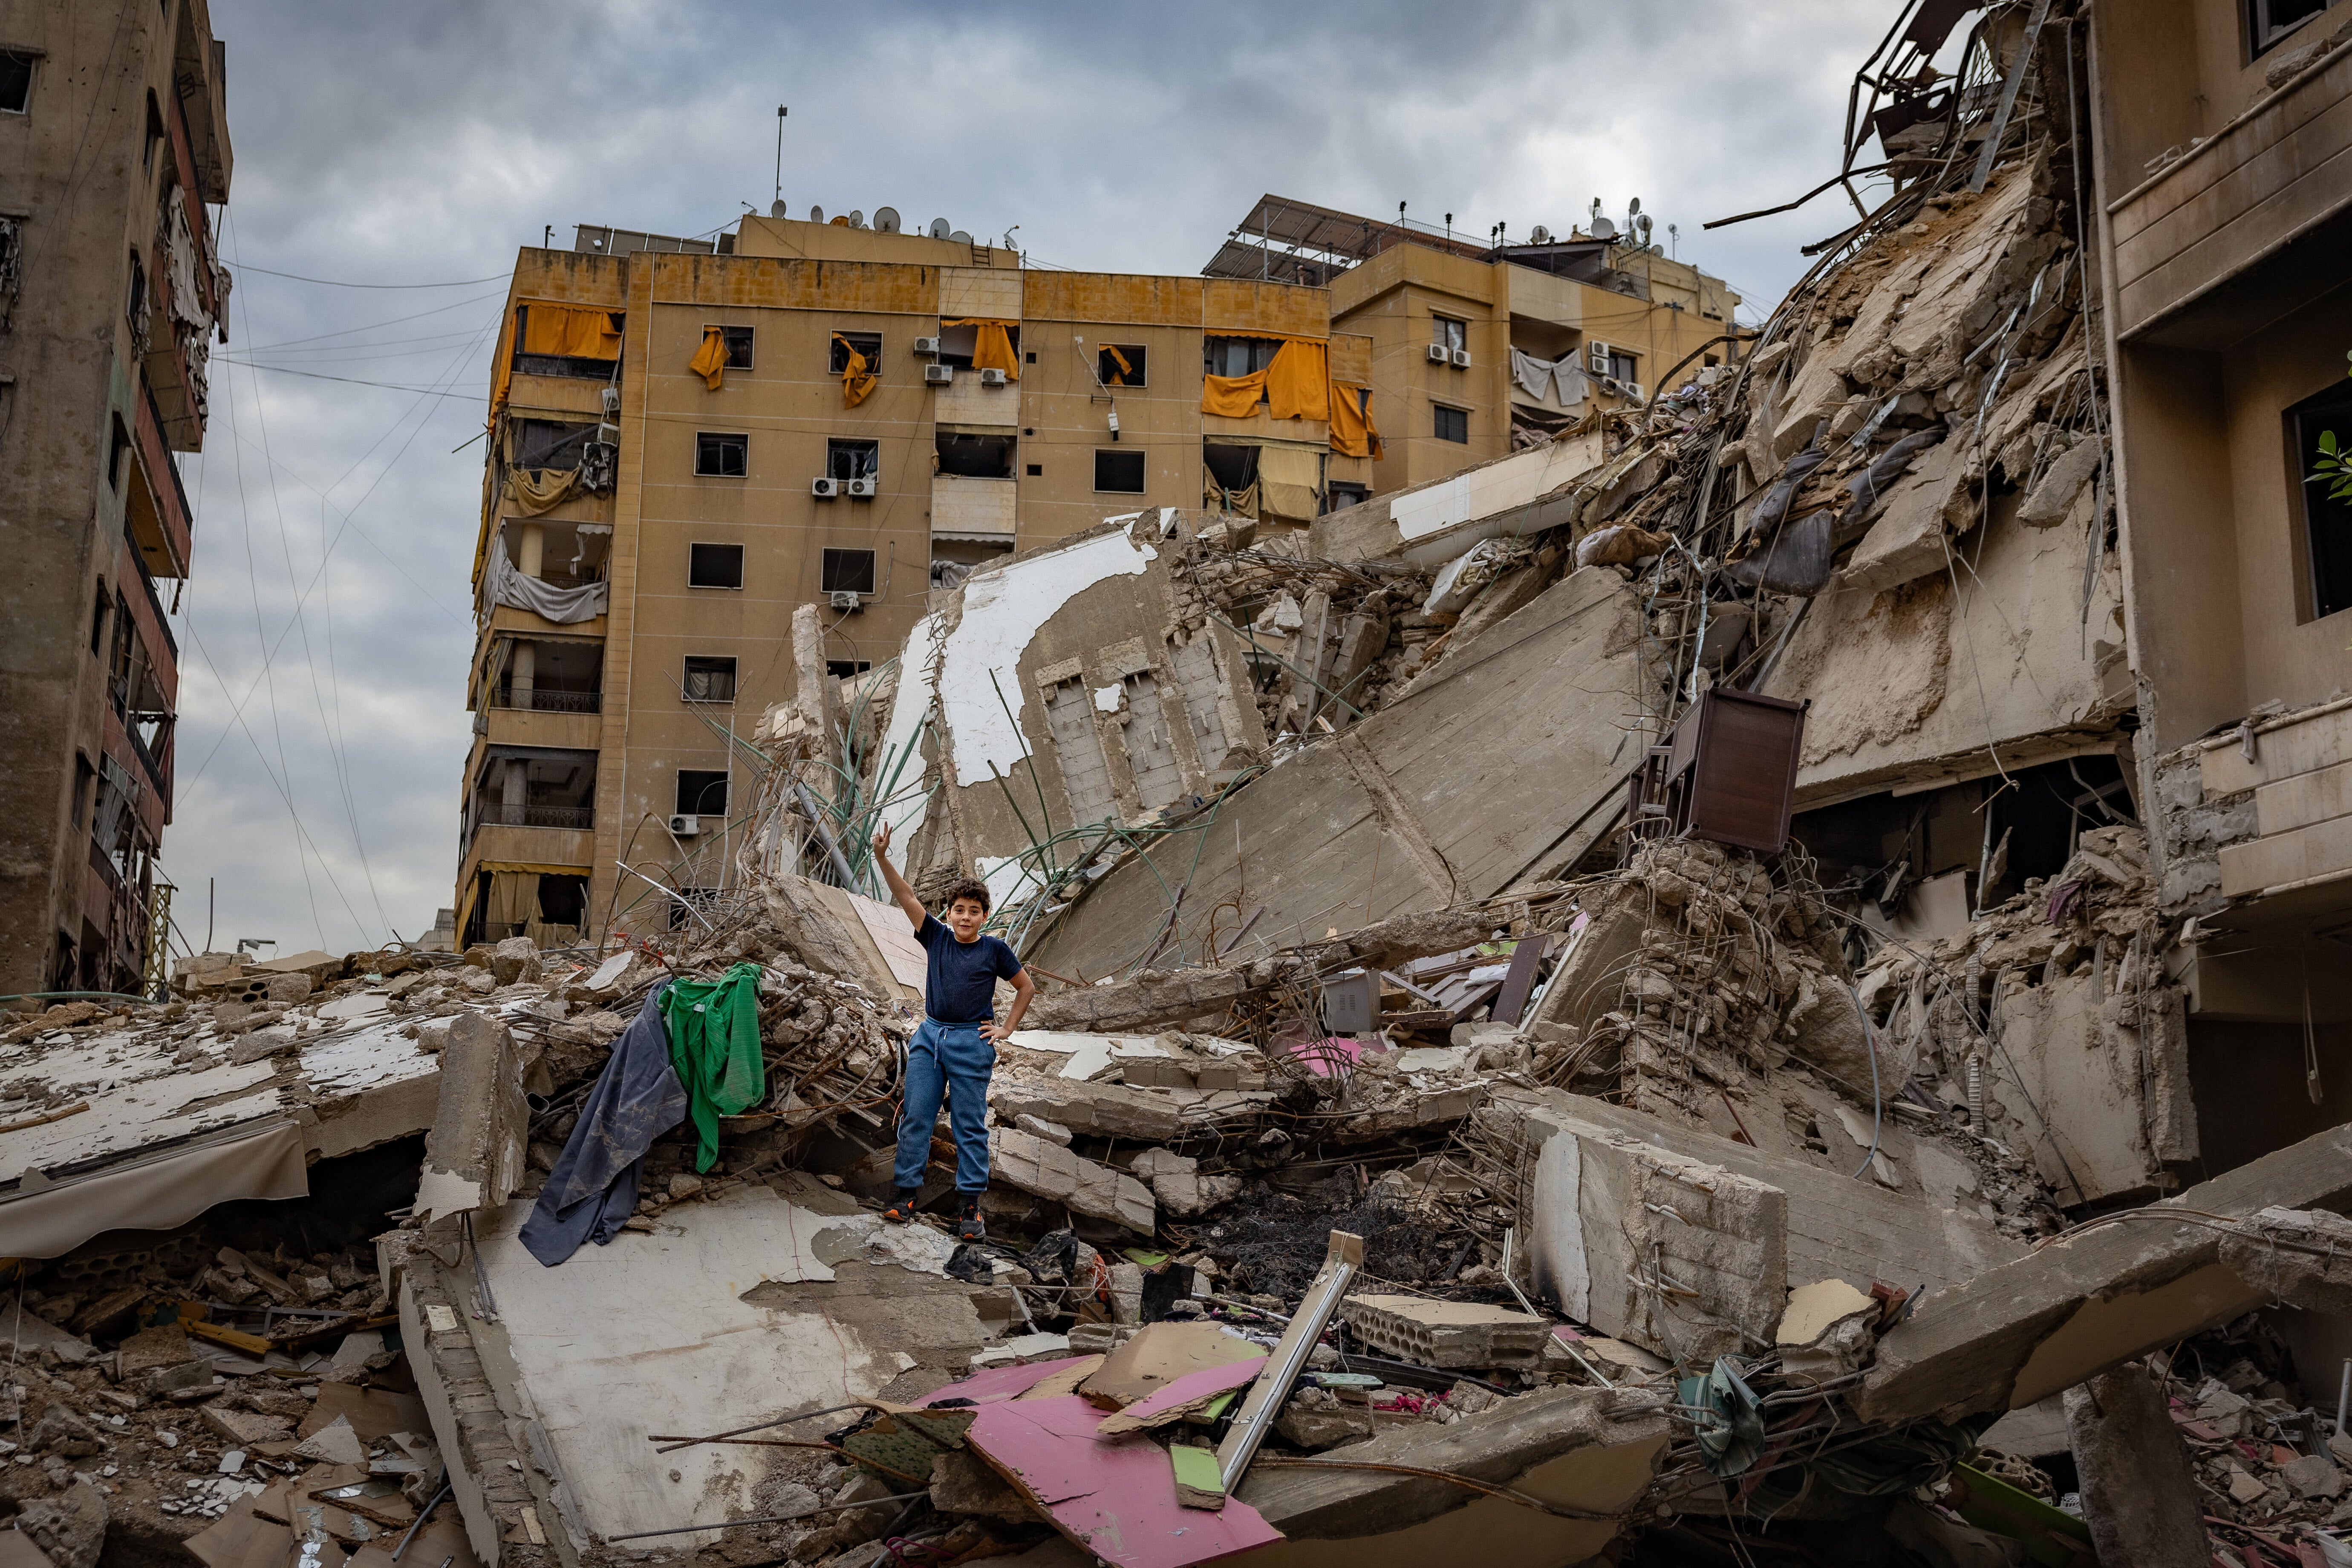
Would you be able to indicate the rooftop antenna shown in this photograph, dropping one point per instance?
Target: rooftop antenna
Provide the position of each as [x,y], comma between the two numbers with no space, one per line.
[1449,228]
[776,207]
[1673,233]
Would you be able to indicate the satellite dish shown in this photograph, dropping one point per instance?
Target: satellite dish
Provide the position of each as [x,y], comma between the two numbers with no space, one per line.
[961,238]
[1641,225]
[1603,230]
[1633,207]
[857,219]
[777,209]
[938,228]
[1539,236]
[816,215]
[886,219]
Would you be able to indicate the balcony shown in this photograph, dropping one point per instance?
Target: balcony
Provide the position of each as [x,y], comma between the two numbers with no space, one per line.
[496,814]
[540,699]
[157,510]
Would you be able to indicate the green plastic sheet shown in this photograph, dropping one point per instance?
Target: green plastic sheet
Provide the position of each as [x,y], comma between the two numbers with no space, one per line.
[714,1043]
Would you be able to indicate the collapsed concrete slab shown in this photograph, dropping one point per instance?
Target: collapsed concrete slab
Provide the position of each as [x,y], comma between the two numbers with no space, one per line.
[2122,1287]
[2140,1495]
[1686,1244]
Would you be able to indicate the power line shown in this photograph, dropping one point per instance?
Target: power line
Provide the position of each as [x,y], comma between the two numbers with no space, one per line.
[338,283]
[393,322]
[352,380]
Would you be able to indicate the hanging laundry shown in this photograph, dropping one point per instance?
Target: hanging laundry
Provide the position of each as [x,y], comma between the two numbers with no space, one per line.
[709,361]
[593,1187]
[714,1043]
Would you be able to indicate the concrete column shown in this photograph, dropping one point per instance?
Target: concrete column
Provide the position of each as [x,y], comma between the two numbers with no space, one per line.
[530,548]
[517,790]
[522,673]
[2138,1496]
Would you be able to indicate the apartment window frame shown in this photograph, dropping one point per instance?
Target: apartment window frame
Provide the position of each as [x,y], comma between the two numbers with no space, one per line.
[1450,332]
[1138,373]
[1257,354]
[574,367]
[2264,34]
[1622,367]
[696,559]
[737,341]
[708,678]
[118,456]
[837,357]
[710,453]
[552,443]
[1440,422]
[2325,561]
[853,458]
[13,60]
[1122,456]
[840,569]
[692,799]
[156,134]
[1338,495]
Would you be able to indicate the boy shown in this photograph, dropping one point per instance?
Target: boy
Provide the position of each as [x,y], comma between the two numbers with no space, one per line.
[955,1049]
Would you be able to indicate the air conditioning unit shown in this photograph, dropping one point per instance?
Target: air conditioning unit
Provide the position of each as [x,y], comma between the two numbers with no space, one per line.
[1613,386]
[1634,390]
[825,489]
[860,489]
[685,826]
[927,348]
[991,377]
[611,395]
[846,601]
[1440,354]
[938,375]
[1462,359]
[1597,357]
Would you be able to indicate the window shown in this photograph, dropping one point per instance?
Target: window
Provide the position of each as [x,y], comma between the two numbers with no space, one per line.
[709,680]
[721,456]
[866,343]
[714,567]
[1036,471]
[1119,471]
[2326,522]
[1624,366]
[2268,21]
[156,134]
[84,776]
[581,367]
[974,457]
[550,443]
[97,621]
[118,454]
[842,669]
[701,793]
[137,302]
[738,345]
[853,460]
[15,82]
[1338,496]
[848,572]
[1233,468]
[1449,333]
[1452,424]
[1236,356]
[1121,365]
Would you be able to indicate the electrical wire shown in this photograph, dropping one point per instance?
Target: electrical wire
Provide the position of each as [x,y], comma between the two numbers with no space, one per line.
[337,283]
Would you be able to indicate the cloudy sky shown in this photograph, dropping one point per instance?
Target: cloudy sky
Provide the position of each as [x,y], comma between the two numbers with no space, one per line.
[413,148]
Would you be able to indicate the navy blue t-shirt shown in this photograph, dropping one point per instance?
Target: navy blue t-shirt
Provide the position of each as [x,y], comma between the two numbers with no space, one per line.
[960,983]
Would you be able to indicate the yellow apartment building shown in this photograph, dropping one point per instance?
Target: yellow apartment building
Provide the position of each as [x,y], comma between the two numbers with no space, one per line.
[1479,350]
[690,440]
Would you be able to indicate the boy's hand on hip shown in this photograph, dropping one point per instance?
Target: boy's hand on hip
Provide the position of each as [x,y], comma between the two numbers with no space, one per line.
[995,1034]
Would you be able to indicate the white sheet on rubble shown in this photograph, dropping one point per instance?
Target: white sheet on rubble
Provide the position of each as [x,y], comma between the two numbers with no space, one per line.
[651,1334]
[1089,1053]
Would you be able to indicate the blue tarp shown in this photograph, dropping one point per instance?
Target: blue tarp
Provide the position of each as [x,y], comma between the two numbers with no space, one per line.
[593,1187]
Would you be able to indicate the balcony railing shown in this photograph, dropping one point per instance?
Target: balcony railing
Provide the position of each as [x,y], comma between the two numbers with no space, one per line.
[542,699]
[495,814]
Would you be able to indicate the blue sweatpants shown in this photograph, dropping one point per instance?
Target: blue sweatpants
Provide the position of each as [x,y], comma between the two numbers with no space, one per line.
[952,1060]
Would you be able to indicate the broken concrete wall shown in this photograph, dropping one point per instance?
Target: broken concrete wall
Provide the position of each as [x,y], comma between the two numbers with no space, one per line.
[1526,492]
[473,1150]
[1465,787]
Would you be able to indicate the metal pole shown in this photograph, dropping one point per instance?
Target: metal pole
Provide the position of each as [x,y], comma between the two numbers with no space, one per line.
[833,850]
[2343,1397]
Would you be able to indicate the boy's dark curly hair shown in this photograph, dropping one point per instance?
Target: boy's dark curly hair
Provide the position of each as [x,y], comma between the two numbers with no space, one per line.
[968,887]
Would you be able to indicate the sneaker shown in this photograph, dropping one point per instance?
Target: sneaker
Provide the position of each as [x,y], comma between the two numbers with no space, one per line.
[902,1206]
[970,1226]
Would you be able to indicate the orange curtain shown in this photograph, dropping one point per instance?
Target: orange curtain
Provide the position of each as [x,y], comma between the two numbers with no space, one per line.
[992,347]
[1299,381]
[1351,422]
[709,361]
[1232,396]
[856,381]
[1118,378]
[501,368]
[576,332]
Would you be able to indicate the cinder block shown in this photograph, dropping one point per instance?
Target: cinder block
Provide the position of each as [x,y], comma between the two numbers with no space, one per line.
[1448,1333]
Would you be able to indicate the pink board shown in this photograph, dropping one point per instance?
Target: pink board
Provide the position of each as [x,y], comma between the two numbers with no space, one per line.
[1001,1382]
[1193,1385]
[1115,1498]
[1330,1057]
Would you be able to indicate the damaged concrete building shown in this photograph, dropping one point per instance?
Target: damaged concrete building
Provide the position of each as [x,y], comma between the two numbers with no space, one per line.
[1744,984]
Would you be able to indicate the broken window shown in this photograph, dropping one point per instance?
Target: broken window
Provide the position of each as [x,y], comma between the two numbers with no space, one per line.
[2326,522]
[117,455]
[842,669]
[848,572]
[853,460]
[1233,468]
[1448,334]
[1451,424]
[1121,365]
[1150,749]
[974,457]
[155,133]
[714,567]
[550,443]
[736,342]
[958,344]
[135,305]
[1237,356]
[701,792]
[2268,21]
[722,456]
[868,344]
[1077,749]
[1338,496]
[1118,471]
[98,621]
[84,775]
[709,679]
[566,326]
[15,82]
